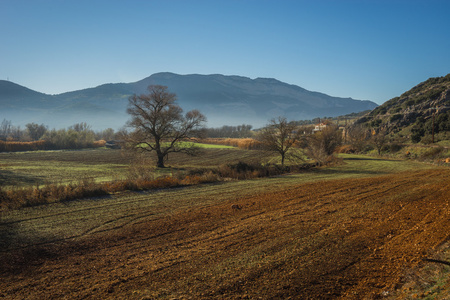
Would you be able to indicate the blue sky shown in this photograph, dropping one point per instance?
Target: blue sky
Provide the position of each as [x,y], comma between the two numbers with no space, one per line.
[364,49]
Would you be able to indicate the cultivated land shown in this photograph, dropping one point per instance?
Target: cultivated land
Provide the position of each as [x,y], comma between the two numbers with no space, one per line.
[24,169]
[354,231]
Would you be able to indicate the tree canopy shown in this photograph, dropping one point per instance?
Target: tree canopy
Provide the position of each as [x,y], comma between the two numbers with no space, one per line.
[279,136]
[159,124]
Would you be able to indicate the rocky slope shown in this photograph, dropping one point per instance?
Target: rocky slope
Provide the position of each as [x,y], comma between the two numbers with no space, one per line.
[413,114]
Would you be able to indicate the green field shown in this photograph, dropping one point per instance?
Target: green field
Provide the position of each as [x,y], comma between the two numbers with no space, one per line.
[62,167]
[22,169]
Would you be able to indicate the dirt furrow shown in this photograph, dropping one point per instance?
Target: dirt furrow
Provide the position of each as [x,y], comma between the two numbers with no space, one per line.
[348,239]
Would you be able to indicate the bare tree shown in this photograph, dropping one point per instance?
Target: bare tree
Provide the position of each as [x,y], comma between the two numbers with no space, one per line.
[321,145]
[80,127]
[379,140]
[358,136]
[279,136]
[36,131]
[5,129]
[159,124]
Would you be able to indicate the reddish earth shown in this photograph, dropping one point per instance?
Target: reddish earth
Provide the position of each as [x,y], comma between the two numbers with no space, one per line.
[337,239]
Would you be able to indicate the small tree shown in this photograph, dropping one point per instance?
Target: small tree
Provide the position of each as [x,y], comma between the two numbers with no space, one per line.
[36,131]
[107,134]
[5,129]
[279,136]
[379,140]
[321,145]
[358,136]
[159,125]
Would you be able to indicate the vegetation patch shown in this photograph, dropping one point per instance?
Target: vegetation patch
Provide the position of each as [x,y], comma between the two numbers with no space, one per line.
[244,143]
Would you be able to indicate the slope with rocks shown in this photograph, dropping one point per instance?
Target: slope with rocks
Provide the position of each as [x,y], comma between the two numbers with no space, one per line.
[413,114]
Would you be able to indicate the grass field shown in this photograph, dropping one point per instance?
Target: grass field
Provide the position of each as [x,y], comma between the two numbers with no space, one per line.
[351,231]
[43,167]
[23,169]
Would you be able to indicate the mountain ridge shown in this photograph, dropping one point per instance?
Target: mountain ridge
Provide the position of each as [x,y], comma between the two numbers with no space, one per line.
[414,113]
[224,99]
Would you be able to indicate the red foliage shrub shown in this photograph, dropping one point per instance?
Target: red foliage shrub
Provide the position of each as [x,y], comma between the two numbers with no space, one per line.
[10,146]
[99,143]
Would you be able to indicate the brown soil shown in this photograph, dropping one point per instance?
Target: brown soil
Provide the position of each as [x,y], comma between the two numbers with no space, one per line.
[337,239]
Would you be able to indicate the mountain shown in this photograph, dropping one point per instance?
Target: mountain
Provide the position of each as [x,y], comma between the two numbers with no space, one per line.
[412,114]
[225,100]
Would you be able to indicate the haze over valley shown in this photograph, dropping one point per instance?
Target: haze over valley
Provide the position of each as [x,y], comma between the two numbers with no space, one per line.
[224,100]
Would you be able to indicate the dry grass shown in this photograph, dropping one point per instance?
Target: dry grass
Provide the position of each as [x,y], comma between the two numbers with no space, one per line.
[140,178]
[244,143]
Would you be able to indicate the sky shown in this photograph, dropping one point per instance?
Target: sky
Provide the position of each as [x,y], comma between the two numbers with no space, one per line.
[364,49]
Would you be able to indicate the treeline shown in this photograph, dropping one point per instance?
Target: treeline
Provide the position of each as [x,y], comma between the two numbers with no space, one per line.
[240,131]
[422,130]
[39,137]
[40,145]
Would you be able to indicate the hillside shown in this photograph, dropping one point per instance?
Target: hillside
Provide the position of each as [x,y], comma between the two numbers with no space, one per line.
[412,114]
[225,100]
[20,103]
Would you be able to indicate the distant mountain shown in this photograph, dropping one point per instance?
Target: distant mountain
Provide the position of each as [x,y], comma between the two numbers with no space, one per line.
[411,114]
[225,100]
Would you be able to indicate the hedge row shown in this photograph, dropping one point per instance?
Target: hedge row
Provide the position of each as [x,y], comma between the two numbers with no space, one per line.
[41,145]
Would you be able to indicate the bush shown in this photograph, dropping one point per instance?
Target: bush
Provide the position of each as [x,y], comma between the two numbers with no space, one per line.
[76,137]
[321,145]
[396,117]
[349,149]
[99,143]
[393,148]
[432,153]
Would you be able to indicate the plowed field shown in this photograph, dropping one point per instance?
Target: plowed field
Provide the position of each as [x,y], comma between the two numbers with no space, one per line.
[331,239]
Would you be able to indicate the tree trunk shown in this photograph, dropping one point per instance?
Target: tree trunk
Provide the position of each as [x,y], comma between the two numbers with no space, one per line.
[160,163]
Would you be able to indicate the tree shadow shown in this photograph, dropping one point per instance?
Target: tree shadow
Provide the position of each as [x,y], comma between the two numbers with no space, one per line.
[8,232]
[368,159]
[348,171]
[10,178]
[19,253]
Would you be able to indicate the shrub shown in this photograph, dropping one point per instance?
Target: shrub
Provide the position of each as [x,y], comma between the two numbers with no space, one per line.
[346,149]
[321,145]
[99,143]
[393,147]
[396,117]
[432,153]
